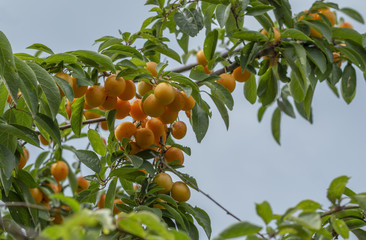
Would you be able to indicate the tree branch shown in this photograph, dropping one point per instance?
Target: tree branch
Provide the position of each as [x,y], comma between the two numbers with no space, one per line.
[90,121]
[338,209]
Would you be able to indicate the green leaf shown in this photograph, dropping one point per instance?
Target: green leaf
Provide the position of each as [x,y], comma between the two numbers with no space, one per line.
[127,173]
[65,87]
[308,205]
[49,126]
[21,132]
[97,142]
[27,179]
[210,43]
[310,220]
[199,122]
[222,109]
[360,234]
[250,89]
[296,89]
[261,112]
[295,34]
[90,159]
[318,58]
[250,36]
[61,57]
[353,14]
[124,50]
[77,115]
[276,125]
[221,93]
[238,230]
[20,215]
[110,196]
[347,33]
[136,160]
[258,10]
[7,161]
[176,215]
[186,21]
[71,202]
[222,14]
[348,83]
[3,98]
[286,107]
[361,200]
[264,210]
[48,87]
[99,60]
[201,217]
[320,27]
[267,87]
[340,227]
[163,49]
[336,188]
[40,47]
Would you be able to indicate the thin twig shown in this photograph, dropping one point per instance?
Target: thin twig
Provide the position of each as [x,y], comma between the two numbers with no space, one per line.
[90,121]
[338,209]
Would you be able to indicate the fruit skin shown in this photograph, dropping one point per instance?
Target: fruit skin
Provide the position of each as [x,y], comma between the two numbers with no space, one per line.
[164,93]
[152,107]
[129,92]
[241,76]
[104,125]
[179,130]
[178,103]
[109,103]
[125,129]
[312,16]
[23,159]
[329,14]
[151,67]
[91,115]
[168,116]
[144,87]
[65,77]
[82,184]
[36,194]
[157,127]
[276,34]
[189,102]
[228,81]
[136,111]
[43,140]
[180,192]
[101,201]
[59,170]
[114,86]
[163,180]
[173,154]
[201,58]
[144,137]
[95,96]
[123,108]
[115,209]
[345,25]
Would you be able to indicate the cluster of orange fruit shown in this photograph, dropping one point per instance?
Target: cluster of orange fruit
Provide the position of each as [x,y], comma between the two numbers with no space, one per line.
[179,191]
[101,203]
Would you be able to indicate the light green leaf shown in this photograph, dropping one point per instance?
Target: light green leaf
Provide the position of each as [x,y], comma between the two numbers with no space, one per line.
[96,59]
[276,125]
[40,47]
[49,126]
[264,210]
[295,34]
[210,43]
[111,192]
[97,142]
[336,188]
[77,115]
[250,89]
[238,230]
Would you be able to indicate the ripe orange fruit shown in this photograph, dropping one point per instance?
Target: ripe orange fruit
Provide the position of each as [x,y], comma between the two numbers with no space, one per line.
[115,209]
[178,103]
[82,184]
[188,114]
[329,14]
[312,16]
[134,148]
[136,111]
[129,92]
[157,205]
[179,129]
[125,130]
[345,25]
[276,34]
[157,127]
[189,102]
[228,81]
[109,103]
[43,140]
[78,91]
[101,201]
[144,137]
[65,77]
[164,93]
[144,87]
[152,107]
[36,194]
[23,159]
[95,96]
[104,125]
[180,192]
[201,59]
[207,71]
[59,170]
[68,108]
[163,180]
[90,115]
[57,219]
[122,108]
[54,187]
[114,86]
[173,154]
[168,116]
[241,76]
[151,67]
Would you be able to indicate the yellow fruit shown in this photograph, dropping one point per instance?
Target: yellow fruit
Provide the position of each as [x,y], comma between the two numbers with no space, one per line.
[241,76]
[82,184]
[36,194]
[345,25]
[329,14]
[201,59]
[151,67]
[109,103]
[189,102]
[180,192]
[122,108]
[91,115]
[144,87]
[43,140]
[59,170]
[23,159]
[78,91]
[168,116]
[67,78]
[104,125]
[115,209]
[152,107]
[173,154]
[276,34]
[157,127]
[129,92]
[136,111]
[125,130]
[179,130]
[164,93]
[228,81]
[95,96]
[178,103]
[144,138]
[114,86]
[163,180]
[101,201]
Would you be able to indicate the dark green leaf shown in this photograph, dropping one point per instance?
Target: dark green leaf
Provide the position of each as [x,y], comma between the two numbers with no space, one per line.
[258,10]
[61,57]
[168,52]
[348,83]
[250,89]
[222,109]
[318,58]
[49,126]
[295,34]
[210,43]
[40,47]
[361,200]
[199,122]
[276,125]
[222,14]
[186,21]
[353,14]
[221,93]
[101,61]
[110,196]
[249,36]
[20,215]
[347,33]
[127,173]
[90,159]
[21,132]
[136,160]
[7,161]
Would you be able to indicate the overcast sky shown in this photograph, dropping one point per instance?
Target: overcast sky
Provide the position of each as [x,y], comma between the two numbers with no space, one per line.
[244,165]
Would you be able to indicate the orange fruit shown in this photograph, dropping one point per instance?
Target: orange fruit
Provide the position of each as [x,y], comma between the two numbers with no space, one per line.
[178,103]
[144,87]
[136,111]
[152,107]
[65,77]
[168,116]
[129,92]
[179,129]
[163,180]
[329,14]
[201,58]
[151,67]
[101,201]
[114,86]
[43,140]
[312,16]
[157,127]
[228,81]
[134,148]
[144,137]
[241,76]
[109,103]
[125,130]
[164,93]
[68,108]
[104,125]
[36,194]
[115,209]
[59,170]
[180,192]
[173,154]
[91,115]
[345,25]
[189,102]
[122,108]
[54,187]
[23,159]
[95,96]
[82,184]
[276,34]
[78,91]
[207,71]
[188,114]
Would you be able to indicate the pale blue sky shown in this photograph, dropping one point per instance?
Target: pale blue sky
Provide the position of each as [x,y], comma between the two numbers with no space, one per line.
[241,166]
